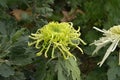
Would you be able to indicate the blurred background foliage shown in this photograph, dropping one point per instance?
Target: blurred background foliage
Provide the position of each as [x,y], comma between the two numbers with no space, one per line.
[18,18]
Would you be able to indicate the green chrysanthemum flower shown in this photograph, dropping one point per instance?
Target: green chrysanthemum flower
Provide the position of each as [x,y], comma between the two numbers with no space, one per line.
[111,36]
[56,36]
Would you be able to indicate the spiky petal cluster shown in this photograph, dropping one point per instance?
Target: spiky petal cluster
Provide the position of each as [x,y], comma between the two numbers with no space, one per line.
[56,36]
[110,36]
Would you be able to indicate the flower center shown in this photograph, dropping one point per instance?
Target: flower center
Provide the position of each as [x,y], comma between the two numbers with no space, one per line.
[115,29]
[55,29]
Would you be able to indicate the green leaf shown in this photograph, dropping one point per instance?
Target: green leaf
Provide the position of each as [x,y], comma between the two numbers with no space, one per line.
[18,76]
[61,76]
[114,73]
[45,11]
[69,69]
[97,74]
[2,28]
[45,70]
[94,10]
[114,69]
[91,36]
[18,34]
[6,70]
[3,3]
[40,70]
[75,71]
[89,49]
[21,56]
[112,8]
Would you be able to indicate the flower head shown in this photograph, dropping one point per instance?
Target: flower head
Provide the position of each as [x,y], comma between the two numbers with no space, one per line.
[58,36]
[110,36]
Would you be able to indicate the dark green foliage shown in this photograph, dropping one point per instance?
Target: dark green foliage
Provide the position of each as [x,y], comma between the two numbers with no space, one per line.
[6,70]
[114,69]
[97,74]
[19,62]
[45,69]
